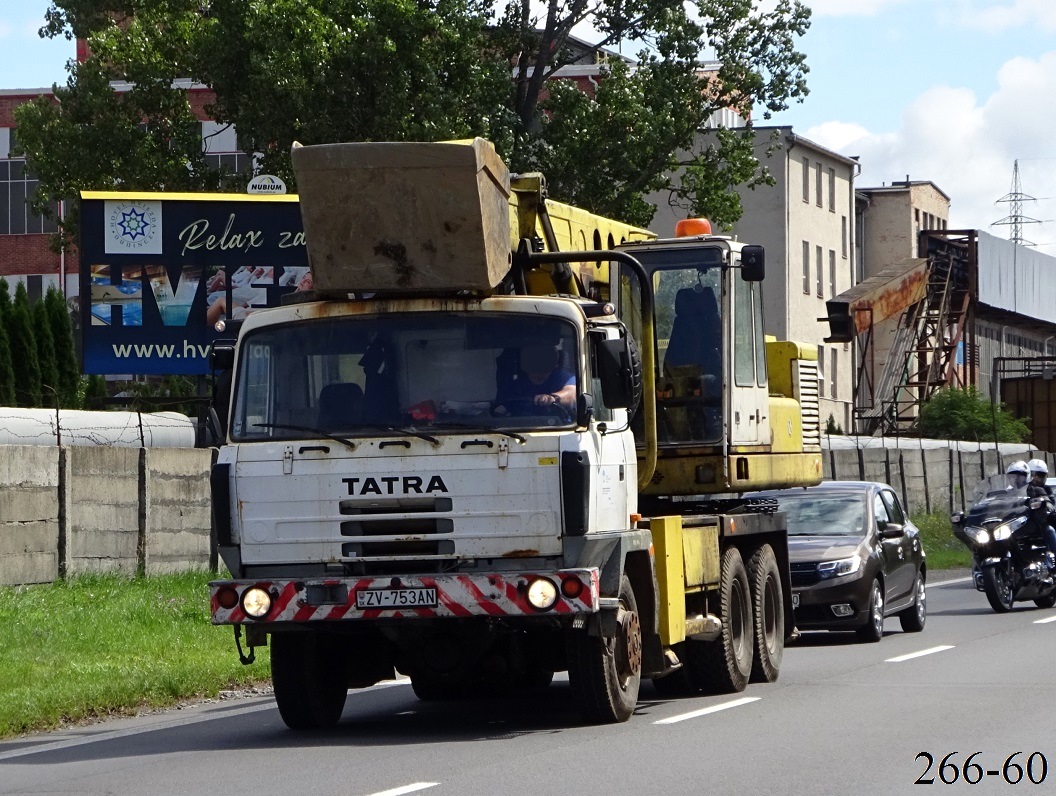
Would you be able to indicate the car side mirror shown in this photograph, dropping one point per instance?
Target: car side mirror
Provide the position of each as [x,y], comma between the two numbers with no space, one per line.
[892,530]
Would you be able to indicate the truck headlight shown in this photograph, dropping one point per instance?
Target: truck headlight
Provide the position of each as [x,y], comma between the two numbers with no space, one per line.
[542,594]
[256,602]
[837,569]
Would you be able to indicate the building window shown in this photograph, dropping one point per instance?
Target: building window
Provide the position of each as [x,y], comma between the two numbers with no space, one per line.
[832,375]
[17,186]
[843,236]
[806,267]
[832,190]
[820,272]
[821,371]
[817,187]
[806,179]
[832,273]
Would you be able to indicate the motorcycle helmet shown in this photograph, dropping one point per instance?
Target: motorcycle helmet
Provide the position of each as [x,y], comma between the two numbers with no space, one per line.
[1038,466]
[1017,474]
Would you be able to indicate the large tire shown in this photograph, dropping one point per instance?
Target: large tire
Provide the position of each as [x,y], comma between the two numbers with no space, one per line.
[768,613]
[913,618]
[998,588]
[605,674]
[873,629]
[724,665]
[310,687]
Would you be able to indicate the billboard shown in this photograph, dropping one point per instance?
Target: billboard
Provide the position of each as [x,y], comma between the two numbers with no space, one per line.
[159,269]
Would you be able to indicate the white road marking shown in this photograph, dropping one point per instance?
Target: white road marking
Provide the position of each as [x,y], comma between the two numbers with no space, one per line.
[950,582]
[417,786]
[705,711]
[1045,621]
[164,724]
[928,651]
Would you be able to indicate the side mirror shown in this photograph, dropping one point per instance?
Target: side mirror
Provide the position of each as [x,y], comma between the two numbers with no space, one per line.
[222,355]
[957,518]
[615,373]
[892,530]
[753,263]
[584,409]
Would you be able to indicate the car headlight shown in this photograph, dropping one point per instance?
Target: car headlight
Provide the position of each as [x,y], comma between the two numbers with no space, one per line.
[1006,529]
[837,569]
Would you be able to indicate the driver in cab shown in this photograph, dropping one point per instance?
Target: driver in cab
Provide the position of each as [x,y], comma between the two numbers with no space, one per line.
[539,382]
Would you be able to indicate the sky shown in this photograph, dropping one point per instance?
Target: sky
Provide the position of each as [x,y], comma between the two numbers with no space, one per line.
[951,91]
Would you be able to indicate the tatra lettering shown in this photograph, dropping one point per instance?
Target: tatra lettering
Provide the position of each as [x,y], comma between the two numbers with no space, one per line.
[393,484]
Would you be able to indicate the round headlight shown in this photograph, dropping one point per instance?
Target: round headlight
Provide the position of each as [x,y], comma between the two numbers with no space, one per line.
[542,594]
[981,536]
[256,602]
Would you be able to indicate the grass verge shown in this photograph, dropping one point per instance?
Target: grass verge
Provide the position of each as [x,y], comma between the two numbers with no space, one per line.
[103,645]
[942,548]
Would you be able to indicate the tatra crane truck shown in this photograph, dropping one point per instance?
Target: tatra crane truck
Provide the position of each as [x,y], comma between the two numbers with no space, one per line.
[393,494]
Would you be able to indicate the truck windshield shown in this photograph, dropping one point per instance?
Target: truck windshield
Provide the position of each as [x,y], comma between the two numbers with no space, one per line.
[400,373]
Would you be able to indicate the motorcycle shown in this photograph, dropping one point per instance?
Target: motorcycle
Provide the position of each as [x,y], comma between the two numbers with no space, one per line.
[1012,561]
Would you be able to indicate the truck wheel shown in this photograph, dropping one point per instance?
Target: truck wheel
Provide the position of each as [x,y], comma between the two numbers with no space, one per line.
[435,689]
[768,611]
[725,664]
[605,673]
[309,689]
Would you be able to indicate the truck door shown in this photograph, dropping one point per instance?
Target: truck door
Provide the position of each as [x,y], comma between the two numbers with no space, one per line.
[749,423]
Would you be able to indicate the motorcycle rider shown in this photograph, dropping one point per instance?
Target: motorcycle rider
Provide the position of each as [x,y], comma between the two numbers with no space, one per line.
[1017,474]
[1043,514]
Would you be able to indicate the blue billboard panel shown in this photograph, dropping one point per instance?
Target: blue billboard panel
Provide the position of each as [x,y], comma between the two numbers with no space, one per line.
[159,270]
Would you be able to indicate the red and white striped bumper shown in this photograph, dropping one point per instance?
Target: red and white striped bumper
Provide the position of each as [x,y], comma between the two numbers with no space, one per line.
[467,595]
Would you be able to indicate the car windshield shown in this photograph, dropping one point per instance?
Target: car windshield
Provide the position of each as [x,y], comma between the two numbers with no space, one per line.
[407,373]
[820,514]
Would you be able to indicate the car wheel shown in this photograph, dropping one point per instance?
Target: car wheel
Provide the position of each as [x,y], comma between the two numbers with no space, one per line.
[873,629]
[913,618]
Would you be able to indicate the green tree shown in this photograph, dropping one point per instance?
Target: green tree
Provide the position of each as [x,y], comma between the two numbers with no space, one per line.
[347,70]
[46,357]
[965,414]
[24,350]
[7,373]
[69,371]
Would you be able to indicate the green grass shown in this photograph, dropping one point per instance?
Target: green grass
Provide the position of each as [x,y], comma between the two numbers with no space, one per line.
[943,549]
[104,645]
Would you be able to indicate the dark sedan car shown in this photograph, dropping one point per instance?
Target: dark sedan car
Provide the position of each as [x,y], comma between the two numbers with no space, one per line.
[855,558]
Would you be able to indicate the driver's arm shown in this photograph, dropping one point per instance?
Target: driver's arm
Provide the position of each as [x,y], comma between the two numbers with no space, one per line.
[565,397]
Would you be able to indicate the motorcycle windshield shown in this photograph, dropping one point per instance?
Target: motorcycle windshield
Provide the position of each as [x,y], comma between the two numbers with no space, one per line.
[995,496]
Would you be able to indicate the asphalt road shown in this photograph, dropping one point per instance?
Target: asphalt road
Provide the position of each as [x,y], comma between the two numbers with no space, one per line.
[843,718]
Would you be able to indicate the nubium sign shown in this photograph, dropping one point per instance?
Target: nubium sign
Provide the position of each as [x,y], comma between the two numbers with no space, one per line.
[159,269]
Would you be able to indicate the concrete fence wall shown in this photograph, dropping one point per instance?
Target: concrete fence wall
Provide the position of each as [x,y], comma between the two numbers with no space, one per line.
[79,509]
[933,479]
[74,510]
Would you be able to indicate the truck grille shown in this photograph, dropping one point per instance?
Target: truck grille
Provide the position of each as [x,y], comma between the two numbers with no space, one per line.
[405,529]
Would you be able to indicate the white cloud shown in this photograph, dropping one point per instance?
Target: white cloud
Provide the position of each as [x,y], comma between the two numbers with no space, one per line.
[850,8]
[968,148]
[995,17]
